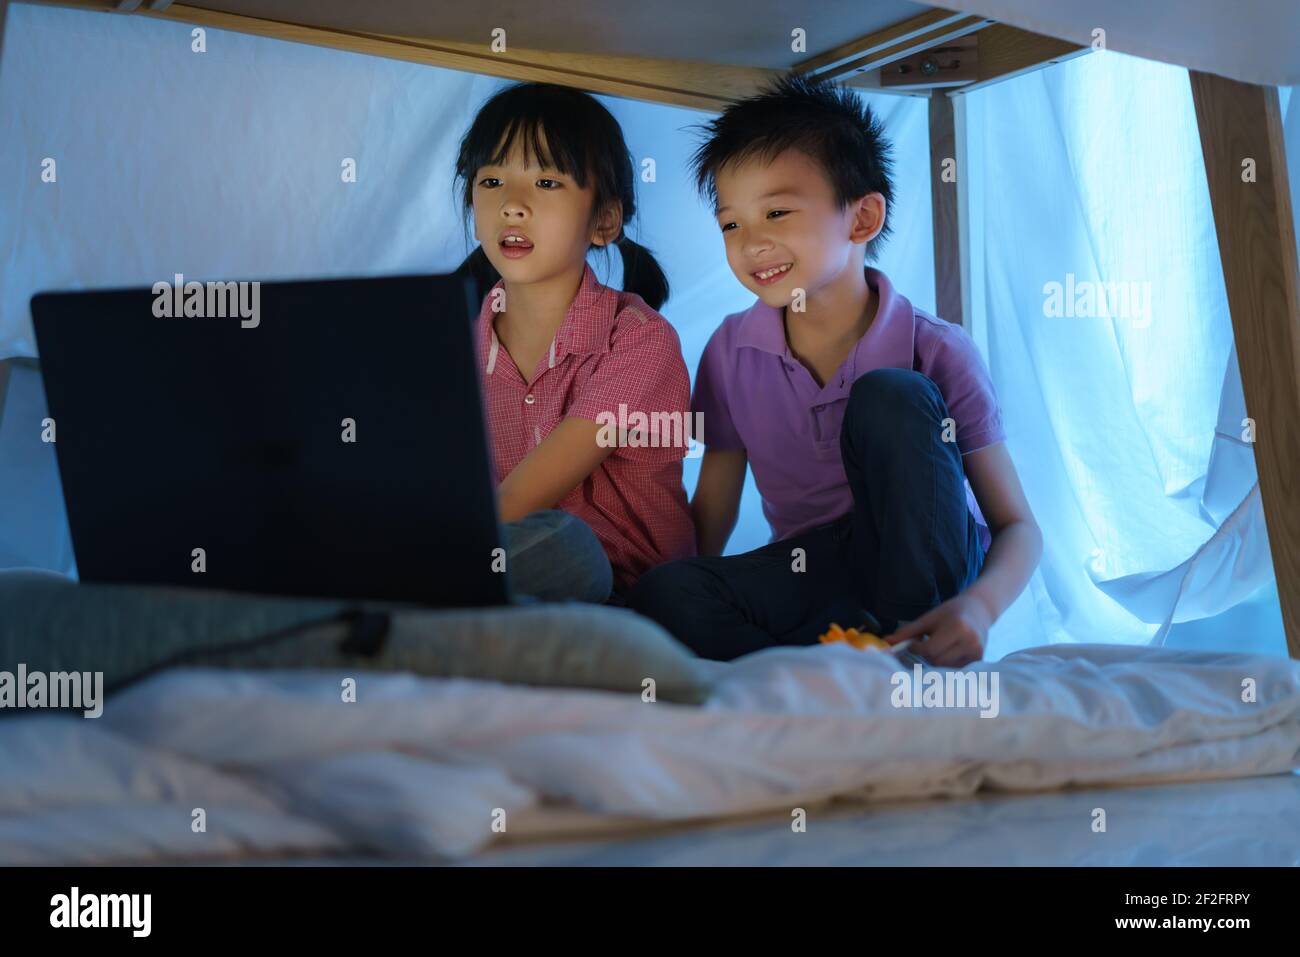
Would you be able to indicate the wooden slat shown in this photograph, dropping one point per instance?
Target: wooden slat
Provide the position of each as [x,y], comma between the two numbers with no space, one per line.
[1003,52]
[1257,244]
[955,63]
[831,62]
[708,85]
[98,6]
[944,215]
[872,52]
[696,86]
[1006,51]
[658,81]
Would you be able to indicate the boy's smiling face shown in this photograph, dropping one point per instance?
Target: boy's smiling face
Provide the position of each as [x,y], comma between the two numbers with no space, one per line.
[784,229]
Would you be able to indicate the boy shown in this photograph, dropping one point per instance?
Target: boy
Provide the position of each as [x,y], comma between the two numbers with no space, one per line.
[861,416]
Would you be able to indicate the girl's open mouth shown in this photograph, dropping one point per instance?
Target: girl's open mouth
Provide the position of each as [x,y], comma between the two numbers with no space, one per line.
[515,245]
[765,277]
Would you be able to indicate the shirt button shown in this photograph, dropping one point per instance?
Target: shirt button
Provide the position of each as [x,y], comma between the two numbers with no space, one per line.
[529,398]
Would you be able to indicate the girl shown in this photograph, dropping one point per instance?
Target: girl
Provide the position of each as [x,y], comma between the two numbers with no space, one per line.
[567,363]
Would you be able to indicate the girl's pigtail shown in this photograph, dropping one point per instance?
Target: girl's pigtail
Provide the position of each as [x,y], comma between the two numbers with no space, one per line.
[642,273]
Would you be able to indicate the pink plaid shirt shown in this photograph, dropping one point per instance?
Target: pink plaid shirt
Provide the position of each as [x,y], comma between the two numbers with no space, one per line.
[611,350]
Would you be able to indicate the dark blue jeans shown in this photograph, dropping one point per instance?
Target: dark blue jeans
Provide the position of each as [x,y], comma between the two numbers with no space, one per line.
[909,544]
[555,556]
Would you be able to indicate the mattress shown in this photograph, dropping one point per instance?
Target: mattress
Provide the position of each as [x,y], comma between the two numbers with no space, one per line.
[221,765]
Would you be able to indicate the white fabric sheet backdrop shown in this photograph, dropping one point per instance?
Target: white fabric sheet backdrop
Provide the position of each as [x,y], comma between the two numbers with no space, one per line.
[227,164]
[1127,428]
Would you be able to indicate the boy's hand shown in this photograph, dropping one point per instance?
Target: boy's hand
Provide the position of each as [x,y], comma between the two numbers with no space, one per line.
[717,498]
[958,631]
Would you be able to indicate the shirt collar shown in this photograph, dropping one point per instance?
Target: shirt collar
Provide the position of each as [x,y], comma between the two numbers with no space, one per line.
[587,324]
[887,343]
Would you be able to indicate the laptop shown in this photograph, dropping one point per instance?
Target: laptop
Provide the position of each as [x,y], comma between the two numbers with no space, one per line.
[313,438]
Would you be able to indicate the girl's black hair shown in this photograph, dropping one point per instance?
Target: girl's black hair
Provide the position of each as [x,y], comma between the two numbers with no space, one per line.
[583,140]
[825,121]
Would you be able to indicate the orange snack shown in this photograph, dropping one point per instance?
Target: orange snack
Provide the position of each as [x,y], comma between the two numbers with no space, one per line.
[861,640]
[836,633]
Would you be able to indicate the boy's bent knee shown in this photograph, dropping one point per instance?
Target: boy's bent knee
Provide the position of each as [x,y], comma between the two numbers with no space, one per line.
[890,391]
[884,400]
[662,582]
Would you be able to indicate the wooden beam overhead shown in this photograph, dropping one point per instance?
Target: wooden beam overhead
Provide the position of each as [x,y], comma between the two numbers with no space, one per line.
[698,86]
[704,86]
[1005,52]
[1245,164]
[674,82]
[937,38]
[1002,52]
[876,49]
[953,63]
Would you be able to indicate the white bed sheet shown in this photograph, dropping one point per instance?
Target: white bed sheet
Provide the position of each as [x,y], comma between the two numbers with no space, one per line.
[420,768]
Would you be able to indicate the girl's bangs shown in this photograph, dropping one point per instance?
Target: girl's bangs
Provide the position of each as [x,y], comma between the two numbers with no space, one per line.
[546,137]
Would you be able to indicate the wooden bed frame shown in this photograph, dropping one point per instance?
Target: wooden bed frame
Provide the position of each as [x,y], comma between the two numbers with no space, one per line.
[905,48]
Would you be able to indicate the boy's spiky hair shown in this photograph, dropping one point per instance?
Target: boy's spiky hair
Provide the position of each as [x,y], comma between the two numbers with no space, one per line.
[825,121]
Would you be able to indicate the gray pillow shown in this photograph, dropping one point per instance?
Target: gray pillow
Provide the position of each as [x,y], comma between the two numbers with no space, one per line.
[50,623]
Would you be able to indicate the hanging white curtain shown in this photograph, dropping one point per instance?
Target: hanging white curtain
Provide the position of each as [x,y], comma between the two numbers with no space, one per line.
[1099,298]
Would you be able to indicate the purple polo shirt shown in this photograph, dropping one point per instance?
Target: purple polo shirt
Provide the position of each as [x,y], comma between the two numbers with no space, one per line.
[753,394]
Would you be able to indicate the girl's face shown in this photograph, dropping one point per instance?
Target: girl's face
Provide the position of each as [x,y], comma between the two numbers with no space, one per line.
[783,228]
[534,222]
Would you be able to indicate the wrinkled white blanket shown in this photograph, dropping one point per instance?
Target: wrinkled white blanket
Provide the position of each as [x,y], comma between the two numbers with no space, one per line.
[211,765]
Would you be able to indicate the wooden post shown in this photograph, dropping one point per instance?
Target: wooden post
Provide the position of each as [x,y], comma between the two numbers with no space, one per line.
[1245,163]
[944,211]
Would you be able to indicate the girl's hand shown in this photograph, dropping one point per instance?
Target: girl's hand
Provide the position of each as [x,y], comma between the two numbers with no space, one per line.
[958,631]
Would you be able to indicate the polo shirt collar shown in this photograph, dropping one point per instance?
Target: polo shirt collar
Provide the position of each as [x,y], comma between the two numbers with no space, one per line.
[587,324]
[590,320]
[888,343]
